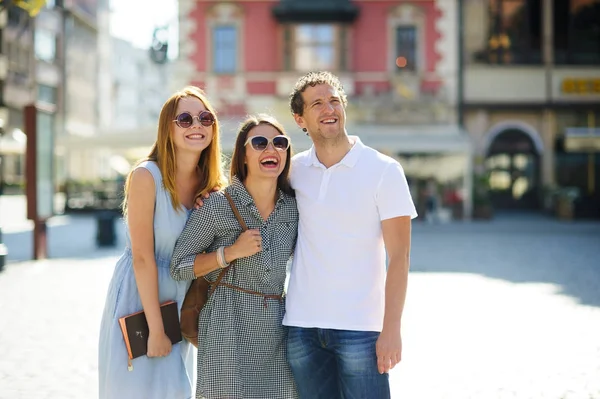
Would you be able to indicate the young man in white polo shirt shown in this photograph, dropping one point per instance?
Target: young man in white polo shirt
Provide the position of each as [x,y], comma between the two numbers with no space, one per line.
[343,308]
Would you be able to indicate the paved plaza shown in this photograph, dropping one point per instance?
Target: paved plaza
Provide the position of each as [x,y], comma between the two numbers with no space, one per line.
[502,309]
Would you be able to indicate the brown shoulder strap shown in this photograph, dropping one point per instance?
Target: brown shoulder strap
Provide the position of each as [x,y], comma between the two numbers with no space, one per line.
[244,228]
[218,280]
[237,213]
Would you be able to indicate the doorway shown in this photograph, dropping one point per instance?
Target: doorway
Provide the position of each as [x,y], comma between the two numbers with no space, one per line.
[513,163]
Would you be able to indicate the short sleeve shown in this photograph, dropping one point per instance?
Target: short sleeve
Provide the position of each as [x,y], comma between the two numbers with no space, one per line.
[393,195]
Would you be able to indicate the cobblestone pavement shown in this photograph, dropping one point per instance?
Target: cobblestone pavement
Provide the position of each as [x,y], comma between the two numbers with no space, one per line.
[50,312]
[507,309]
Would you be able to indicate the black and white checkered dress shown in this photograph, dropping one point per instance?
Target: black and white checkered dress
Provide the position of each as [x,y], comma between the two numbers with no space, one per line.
[242,351]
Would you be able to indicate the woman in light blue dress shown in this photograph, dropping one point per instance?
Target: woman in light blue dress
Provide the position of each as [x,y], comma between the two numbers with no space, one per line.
[184,163]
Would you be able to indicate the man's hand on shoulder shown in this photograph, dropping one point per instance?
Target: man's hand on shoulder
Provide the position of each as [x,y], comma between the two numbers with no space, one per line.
[200,199]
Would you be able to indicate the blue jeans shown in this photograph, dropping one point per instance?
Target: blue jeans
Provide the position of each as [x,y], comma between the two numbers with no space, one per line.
[336,364]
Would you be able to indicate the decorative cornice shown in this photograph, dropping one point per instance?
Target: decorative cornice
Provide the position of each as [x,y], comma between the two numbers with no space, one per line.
[446,45]
[224,12]
[184,68]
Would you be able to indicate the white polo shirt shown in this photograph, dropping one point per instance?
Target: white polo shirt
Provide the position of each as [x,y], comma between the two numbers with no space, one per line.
[338,272]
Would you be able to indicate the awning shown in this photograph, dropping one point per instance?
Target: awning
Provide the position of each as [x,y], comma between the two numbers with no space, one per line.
[426,139]
[9,145]
[421,139]
[308,11]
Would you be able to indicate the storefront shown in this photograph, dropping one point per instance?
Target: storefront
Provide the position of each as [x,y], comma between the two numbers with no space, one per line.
[530,99]
[577,161]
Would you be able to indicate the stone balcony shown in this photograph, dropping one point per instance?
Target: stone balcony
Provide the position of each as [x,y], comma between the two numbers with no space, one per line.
[411,100]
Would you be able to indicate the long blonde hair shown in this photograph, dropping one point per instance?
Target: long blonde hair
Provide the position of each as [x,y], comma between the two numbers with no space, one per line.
[210,166]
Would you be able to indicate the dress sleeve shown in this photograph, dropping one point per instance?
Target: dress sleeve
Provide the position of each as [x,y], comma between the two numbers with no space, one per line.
[196,237]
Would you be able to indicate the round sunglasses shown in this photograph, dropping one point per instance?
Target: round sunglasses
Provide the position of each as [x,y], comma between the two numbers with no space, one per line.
[186,120]
[260,143]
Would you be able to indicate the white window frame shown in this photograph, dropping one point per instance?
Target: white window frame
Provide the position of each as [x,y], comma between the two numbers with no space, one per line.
[225,14]
[225,71]
[409,16]
[43,37]
[336,47]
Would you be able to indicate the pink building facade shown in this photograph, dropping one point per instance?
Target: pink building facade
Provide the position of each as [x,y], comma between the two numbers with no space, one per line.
[398,62]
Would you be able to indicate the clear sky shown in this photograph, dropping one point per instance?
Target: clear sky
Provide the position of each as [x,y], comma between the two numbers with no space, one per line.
[135,20]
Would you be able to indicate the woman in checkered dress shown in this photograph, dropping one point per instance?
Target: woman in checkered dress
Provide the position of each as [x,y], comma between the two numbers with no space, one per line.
[242,343]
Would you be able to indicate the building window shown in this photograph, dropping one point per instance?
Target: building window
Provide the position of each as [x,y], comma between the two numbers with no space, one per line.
[514,32]
[47,94]
[314,47]
[18,16]
[406,48]
[406,30]
[576,32]
[45,45]
[224,49]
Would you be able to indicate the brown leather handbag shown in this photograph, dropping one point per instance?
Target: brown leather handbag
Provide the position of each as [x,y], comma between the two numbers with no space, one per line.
[200,291]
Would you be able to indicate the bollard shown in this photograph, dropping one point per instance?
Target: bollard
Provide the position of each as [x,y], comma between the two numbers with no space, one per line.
[105,229]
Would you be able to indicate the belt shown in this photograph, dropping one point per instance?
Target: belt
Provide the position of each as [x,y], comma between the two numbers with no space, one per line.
[265,296]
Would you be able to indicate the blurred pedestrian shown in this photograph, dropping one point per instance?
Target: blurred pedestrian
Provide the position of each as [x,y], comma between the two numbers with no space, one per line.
[343,310]
[184,163]
[242,343]
[431,201]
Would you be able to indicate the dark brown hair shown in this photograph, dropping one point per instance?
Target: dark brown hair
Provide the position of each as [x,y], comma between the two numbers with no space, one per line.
[238,167]
[313,79]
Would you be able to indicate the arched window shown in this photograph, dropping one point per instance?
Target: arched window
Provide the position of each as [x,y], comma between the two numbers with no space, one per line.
[513,164]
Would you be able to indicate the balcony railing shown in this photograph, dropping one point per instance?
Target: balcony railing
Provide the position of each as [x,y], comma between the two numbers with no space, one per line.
[410,100]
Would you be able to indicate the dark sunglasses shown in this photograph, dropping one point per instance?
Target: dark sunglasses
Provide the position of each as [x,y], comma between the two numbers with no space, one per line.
[185,119]
[260,143]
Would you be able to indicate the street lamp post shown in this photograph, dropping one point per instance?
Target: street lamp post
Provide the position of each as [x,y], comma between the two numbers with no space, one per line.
[39,172]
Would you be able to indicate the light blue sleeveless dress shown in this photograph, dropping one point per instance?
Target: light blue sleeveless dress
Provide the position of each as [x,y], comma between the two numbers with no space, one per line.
[172,376]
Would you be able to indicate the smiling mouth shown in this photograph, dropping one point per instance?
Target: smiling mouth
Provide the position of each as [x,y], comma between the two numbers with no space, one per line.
[195,136]
[270,162]
[329,121]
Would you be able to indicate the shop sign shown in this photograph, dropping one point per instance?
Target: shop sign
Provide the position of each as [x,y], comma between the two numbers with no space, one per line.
[582,139]
[581,86]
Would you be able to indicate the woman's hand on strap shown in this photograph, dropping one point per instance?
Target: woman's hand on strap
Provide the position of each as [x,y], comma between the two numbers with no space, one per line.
[247,244]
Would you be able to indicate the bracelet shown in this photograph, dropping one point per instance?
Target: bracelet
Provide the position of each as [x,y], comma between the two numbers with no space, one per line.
[222,250]
[221,258]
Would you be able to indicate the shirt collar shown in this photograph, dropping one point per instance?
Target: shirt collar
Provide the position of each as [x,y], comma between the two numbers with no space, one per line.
[353,155]
[238,189]
[349,160]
